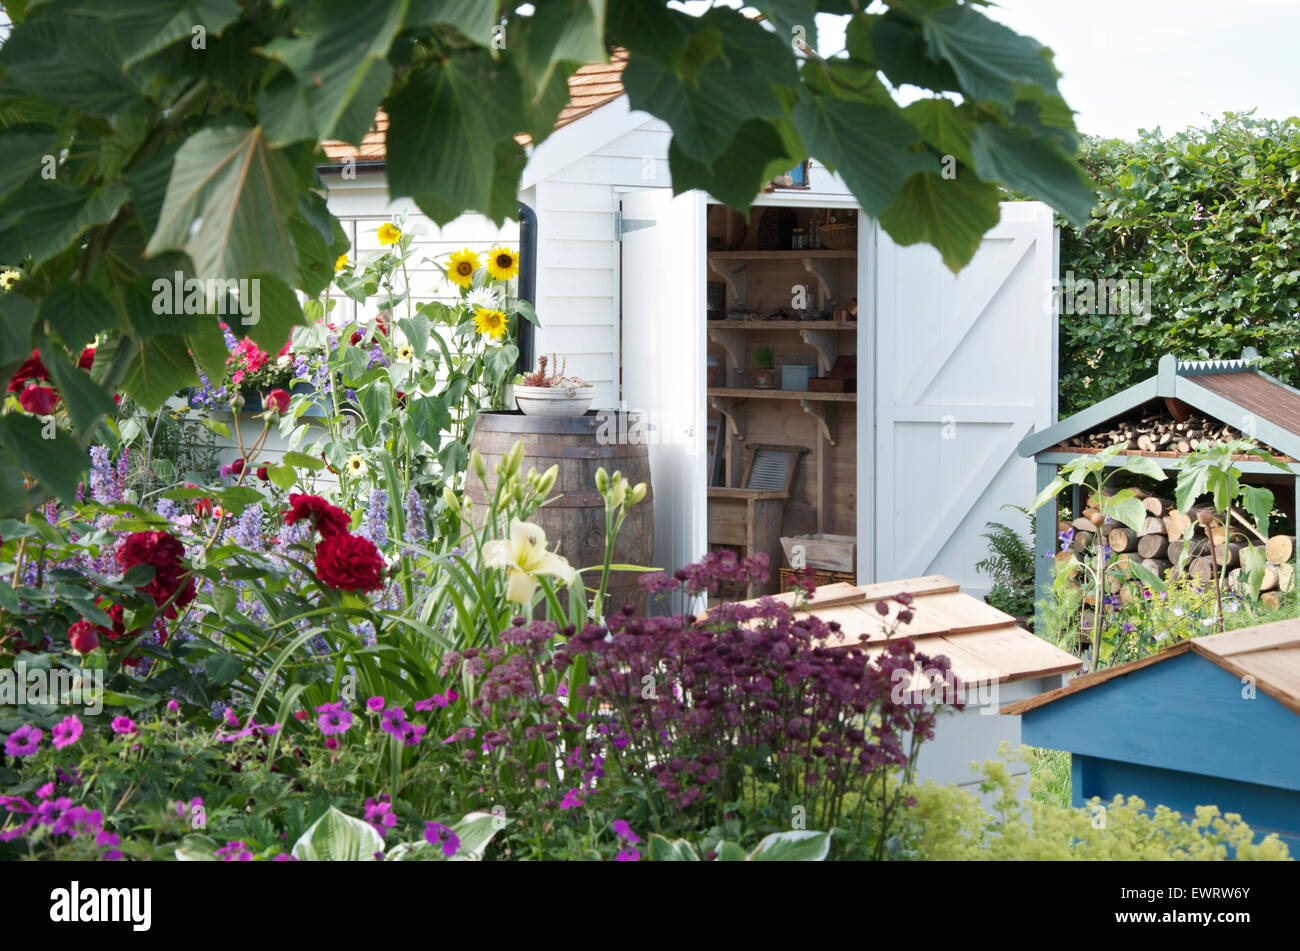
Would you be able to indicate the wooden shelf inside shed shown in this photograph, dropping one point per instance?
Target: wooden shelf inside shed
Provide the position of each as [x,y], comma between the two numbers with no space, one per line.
[744,394]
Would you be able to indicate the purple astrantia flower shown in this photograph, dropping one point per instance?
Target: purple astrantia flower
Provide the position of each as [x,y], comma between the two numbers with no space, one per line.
[379,813]
[571,800]
[124,725]
[375,703]
[624,832]
[334,719]
[234,852]
[435,833]
[628,855]
[375,525]
[23,741]
[66,732]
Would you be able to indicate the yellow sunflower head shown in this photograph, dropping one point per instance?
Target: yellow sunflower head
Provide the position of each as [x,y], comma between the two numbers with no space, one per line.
[340,263]
[355,464]
[8,278]
[461,267]
[503,263]
[389,233]
[405,353]
[492,323]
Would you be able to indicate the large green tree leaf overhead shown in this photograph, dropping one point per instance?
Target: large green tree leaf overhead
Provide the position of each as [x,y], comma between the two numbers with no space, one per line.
[149,137]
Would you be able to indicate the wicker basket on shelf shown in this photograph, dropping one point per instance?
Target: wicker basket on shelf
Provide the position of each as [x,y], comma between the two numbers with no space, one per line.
[839,236]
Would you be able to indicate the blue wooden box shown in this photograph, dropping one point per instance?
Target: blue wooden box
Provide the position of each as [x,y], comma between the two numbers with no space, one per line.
[1209,721]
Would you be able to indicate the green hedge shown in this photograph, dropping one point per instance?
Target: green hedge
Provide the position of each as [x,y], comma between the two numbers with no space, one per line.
[1211,218]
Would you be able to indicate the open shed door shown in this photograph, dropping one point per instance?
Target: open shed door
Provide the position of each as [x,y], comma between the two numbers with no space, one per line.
[965,367]
[663,351]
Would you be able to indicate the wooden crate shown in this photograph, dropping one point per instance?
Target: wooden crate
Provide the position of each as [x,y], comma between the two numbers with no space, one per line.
[823,551]
[820,578]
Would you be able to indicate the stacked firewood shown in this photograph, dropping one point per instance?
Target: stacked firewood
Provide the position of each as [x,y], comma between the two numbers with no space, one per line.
[1160,547]
[1160,432]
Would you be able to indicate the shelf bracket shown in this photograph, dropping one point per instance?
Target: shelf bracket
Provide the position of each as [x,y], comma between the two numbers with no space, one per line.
[727,408]
[731,341]
[824,271]
[733,275]
[825,416]
[827,345]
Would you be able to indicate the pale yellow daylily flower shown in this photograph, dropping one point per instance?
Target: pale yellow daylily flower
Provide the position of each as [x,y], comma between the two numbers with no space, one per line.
[525,556]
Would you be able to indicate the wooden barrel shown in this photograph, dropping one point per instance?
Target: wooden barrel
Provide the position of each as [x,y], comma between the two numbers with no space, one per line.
[574,521]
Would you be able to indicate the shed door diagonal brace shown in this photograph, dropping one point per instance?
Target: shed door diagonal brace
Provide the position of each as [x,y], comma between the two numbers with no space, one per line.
[623,225]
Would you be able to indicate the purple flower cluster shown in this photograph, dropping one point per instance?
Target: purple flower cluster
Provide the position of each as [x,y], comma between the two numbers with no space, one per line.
[375,525]
[713,571]
[60,817]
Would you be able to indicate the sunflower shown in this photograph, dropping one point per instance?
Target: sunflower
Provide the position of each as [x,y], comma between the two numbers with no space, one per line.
[503,264]
[389,233]
[340,262]
[355,464]
[461,267]
[405,353]
[491,323]
[8,278]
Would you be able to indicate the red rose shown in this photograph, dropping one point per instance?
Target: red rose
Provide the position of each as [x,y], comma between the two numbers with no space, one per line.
[261,471]
[164,553]
[87,358]
[38,400]
[32,369]
[356,337]
[203,508]
[327,519]
[277,400]
[84,637]
[349,563]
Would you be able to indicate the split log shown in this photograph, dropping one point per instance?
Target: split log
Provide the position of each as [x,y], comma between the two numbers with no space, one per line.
[1279,549]
[1153,546]
[1082,540]
[1201,568]
[1153,526]
[1285,577]
[1157,566]
[1235,584]
[1083,524]
[1270,579]
[1271,601]
[1157,506]
[1175,550]
[1176,523]
[1122,538]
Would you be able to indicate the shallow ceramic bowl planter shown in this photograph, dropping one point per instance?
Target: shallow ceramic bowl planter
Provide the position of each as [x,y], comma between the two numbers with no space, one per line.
[554,400]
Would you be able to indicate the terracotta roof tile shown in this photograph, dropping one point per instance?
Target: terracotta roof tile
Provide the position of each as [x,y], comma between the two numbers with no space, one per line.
[590,87]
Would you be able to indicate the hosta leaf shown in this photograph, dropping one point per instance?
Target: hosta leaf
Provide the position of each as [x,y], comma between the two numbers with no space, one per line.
[868,145]
[337,837]
[228,205]
[793,846]
[950,214]
[1034,166]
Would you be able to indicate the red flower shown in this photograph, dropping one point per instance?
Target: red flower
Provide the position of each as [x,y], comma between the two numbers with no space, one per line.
[327,519]
[277,400]
[38,400]
[163,552]
[84,636]
[87,358]
[401,398]
[349,563]
[285,348]
[261,471]
[356,337]
[203,508]
[32,369]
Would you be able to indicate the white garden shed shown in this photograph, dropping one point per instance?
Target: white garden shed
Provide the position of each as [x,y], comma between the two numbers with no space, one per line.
[952,371]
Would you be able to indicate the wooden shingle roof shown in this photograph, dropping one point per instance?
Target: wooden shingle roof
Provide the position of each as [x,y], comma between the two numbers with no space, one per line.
[1226,390]
[984,644]
[590,87]
[1267,653]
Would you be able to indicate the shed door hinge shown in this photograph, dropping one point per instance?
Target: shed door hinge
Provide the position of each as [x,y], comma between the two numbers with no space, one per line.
[623,225]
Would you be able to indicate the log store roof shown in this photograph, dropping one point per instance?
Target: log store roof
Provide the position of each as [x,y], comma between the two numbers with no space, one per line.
[1229,391]
[1269,653]
[983,643]
[590,87]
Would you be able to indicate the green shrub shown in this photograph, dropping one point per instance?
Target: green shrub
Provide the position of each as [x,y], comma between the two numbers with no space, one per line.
[1010,564]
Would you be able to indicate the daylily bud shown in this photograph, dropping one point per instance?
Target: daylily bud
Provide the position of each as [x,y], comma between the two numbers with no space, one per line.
[602,480]
[477,464]
[547,481]
[514,459]
[453,503]
[637,493]
[618,493]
